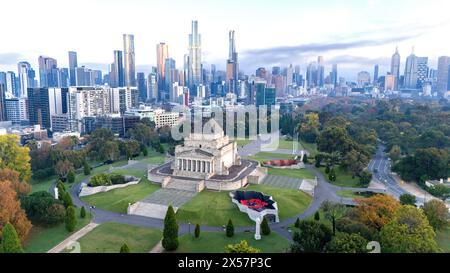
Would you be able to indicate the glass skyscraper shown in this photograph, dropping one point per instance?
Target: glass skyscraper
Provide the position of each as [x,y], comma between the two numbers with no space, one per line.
[129,60]
[195,57]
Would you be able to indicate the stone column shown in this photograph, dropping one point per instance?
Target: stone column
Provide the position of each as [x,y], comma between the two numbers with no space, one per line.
[203,166]
[184,165]
[209,167]
[258,229]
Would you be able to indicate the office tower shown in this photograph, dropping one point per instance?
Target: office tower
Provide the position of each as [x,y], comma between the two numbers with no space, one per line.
[334,75]
[11,86]
[2,103]
[389,82]
[195,57]
[363,78]
[276,70]
[376,71]
[265,95]
[162,53]
[411,71]
[142,87]
[116,78]
[48,72]
[443,75]
[73,63]
[129,60]
[38,107]
[232,64]
[170,75]
[422,71]
[16,110]
[395,67]
[3,80]
[289,75]
[64,78]
[320,71]
[261,73]
[311,75]
[97,77]
[152,87]
[26,78]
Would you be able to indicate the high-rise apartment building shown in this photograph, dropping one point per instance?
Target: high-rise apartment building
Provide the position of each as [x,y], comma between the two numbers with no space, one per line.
[48,72]
[232,64]
[116,76]
[162,54]
[443,75]
[411,71]
[129,60]
[395,68]
[73,64]
[26,78]
[195,57]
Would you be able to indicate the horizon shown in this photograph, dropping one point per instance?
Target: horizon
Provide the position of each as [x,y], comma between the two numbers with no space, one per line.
[364,34]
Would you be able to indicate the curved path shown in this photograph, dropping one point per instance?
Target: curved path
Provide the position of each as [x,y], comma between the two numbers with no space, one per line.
[324,191]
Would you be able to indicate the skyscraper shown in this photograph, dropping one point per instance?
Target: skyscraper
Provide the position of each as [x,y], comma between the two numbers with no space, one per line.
[11,86]
[395,67]
[334,75]
[26,78]
[48,72]
[38,107]
[443,75]
[170,76]
[73,63]
[152,87]
[422,71]
[411,71]
[195,57]
[129,60]
[116,78]
[232,64]
[162,53]
[376,72]
[142,87]
[2,103]
[320,71]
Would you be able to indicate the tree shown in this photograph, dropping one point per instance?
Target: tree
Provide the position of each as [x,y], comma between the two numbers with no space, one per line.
[124,249]
[327,169]
[230,229]
[335,139]
[83,212]
[437,214]
[347,243]
[309,128]
[132,148]
[144,150]
[305,158]
[170,233]
[97,141]
[297,223]
[197,231]
[10,240]
[14,157]
[311,238]
[395,153]
[265,228]
[71,219]
[62,168]
[21,188]
[241,247]
[71,177]
[332,175]
[43,209]
[316,216]
[408,199]
[11,212]
[86,168]
[110,151]
[351,226]
[441,191]
[333,212]
[365,177]
[408,232]
[376,211]
[66,199]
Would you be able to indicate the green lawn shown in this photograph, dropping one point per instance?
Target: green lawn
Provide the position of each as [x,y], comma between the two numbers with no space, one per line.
[212,209]
[443,239]
[290,202]
[42,185]
[215,208]
[214,242]
[294,173]
[117,200]
[343,178]
[349,194]
[43,239]
[109,237]
[310,147]
[243,142]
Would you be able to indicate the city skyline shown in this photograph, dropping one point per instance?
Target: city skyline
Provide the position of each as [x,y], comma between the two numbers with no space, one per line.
[354,45]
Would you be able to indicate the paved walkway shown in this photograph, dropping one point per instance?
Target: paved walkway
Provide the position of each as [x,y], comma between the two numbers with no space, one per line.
[73,238]
[167,197]
[158,248]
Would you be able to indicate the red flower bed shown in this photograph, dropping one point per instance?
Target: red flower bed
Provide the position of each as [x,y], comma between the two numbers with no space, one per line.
[254,203]
[281,163]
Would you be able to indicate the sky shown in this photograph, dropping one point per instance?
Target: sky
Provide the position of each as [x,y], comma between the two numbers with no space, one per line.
[355,34]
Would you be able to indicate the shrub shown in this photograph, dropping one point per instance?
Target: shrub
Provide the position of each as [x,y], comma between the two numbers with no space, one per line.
[332,176]
[317,216]
[117,179]
[230,229]
[86,168]
[197,231]
[170,233]
[408,199]
[66,199]
[10,240]
[71,219]
[354,227]
[241,247]
[71,177]
[83,212]
[265,228]
[297,223]
[124,249]
[305,158]
[101,179]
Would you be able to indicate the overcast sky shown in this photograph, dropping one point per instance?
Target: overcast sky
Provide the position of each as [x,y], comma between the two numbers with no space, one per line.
[356,34]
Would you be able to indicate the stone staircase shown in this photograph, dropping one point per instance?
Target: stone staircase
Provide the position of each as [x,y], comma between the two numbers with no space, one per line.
[184,185]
